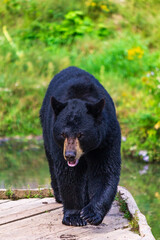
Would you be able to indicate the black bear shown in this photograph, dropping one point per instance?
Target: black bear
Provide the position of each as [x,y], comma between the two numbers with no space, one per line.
[82,141]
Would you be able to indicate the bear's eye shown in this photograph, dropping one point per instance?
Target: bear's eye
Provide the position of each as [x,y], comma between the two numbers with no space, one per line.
[79,135]
[63,135]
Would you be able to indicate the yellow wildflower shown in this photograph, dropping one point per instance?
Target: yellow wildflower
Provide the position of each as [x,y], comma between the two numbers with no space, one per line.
[124,94]
[134,53]
[104,7]
[144,79]
[88,3]
[157,195]
[93,4]
[157,125]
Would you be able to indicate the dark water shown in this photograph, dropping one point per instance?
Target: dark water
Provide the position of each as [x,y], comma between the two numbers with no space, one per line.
[23,164]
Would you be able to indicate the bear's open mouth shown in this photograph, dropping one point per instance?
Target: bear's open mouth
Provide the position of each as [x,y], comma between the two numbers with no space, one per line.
[73,163]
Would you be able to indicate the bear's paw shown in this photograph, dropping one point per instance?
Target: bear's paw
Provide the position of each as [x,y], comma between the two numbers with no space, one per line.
[73,220]
[91,215]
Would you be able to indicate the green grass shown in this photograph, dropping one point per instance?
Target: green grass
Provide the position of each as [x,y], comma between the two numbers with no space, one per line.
[9,193]
[45,38]
[133,220]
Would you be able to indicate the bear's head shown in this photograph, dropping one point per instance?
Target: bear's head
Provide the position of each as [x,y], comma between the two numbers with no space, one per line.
[76,127]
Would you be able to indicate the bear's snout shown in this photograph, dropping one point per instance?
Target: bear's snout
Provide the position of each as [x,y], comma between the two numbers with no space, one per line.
[70,155]
[72,151]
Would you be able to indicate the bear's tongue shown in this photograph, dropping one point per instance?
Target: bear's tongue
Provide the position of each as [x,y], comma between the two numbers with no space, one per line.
[73,163]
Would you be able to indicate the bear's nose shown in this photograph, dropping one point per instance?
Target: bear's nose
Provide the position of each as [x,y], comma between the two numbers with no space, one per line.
[70,155]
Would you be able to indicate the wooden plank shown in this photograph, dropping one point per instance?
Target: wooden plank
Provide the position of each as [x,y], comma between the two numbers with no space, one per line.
[20,205]
[4,201]
[120,234]
[12,204]
[29,208]
[49,226]
[33,227]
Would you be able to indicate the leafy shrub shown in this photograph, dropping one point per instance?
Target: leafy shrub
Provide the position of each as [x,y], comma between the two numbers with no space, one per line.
[74,25]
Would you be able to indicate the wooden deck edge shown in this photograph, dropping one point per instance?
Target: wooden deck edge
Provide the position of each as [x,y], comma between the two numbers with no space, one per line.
[144,228]
[15,194]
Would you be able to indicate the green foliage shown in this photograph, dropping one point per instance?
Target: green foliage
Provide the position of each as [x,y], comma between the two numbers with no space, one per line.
[9,193]
[74,25]
[124,208]
[40,38]
[134,223]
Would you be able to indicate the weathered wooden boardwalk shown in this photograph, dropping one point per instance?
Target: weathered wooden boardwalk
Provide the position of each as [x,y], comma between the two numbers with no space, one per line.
[41,219]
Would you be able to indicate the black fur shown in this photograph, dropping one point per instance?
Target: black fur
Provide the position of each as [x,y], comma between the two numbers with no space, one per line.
[80,104]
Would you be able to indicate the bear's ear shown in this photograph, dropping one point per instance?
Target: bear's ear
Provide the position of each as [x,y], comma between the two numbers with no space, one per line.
[57,106]
[96,108]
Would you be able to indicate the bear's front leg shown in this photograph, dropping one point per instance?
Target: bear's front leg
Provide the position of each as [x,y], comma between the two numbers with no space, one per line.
[102,187]
[74,198]
[99,205]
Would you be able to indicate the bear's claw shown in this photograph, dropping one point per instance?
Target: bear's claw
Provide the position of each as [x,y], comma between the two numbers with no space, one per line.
[89,215]
[74,220]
